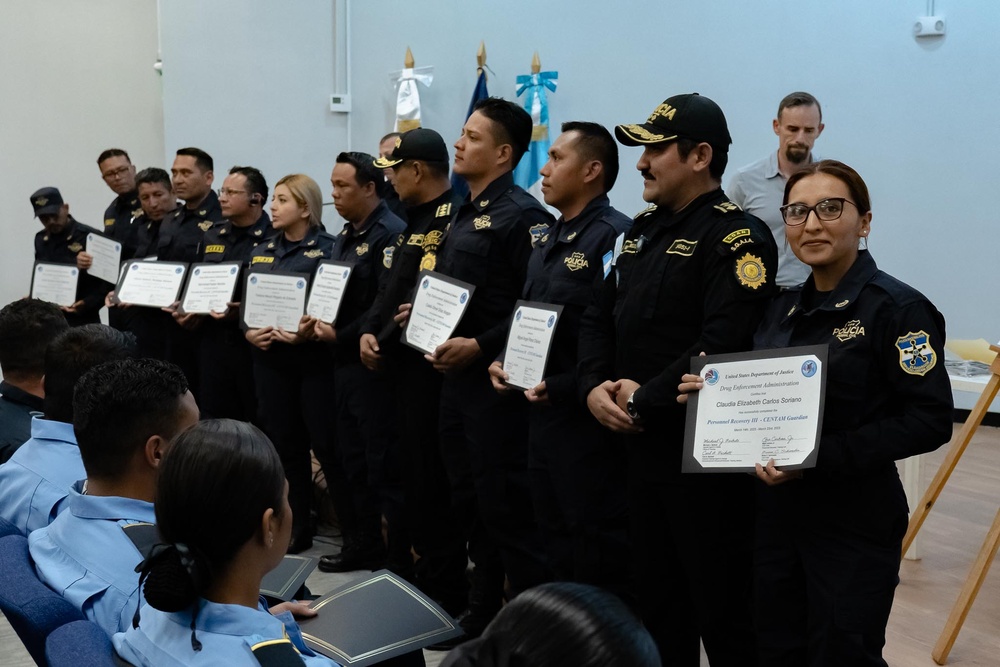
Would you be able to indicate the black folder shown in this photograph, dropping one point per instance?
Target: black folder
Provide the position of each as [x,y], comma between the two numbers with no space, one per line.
[375,618]
[288,577]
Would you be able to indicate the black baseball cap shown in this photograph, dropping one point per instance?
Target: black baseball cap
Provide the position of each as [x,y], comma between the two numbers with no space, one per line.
[417,144]
[46,201]
[689,116]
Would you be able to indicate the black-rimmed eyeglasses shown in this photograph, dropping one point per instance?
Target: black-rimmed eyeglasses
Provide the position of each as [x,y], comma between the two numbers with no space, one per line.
[826,210]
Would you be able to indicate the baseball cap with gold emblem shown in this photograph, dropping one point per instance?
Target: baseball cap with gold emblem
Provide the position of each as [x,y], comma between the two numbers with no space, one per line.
[689,116]
[46,201]
[417,144]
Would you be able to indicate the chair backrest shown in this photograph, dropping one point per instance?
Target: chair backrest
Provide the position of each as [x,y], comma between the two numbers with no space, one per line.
[7,528]
[81,643]
[32,609]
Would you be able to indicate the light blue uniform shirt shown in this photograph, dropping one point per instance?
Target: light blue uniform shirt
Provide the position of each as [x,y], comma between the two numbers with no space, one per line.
[227,633]
[36,480]
[85,556]
[759,189]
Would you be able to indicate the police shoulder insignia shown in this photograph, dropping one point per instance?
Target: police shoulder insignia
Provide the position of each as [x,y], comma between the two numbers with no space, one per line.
[429,261]
[108,222]
[682,247]
[536,232]
[751,271]
[74,247]
[916,356]
[576,261]
[482,222]
[387,256]
[727,207]
[630,247]
[313,254]
[739,233]
[361,249]
[205,226]
[443,210]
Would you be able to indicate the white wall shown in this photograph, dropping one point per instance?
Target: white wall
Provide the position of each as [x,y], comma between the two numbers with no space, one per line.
[915,119]
[249,82]
[76,78]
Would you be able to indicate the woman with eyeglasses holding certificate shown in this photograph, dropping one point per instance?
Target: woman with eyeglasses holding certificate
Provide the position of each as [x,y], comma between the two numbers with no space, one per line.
[828,539]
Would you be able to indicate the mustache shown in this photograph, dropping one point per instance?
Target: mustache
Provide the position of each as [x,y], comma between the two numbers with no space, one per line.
[647,175]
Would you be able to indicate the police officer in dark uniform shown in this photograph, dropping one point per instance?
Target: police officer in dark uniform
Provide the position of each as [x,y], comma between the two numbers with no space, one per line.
[182,238]
[484,435]
[420,165]
[150,325]
[577,475]
[293,376]
[694,274]
[226,367]
[59,243]
[829,540]
[120,217]
[366,436]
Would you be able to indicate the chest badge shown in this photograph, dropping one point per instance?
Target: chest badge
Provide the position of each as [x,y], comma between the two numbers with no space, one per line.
[205,226]
[482,222]
[313,254]
[387,256]
[852,329]
[916,356]
[74,247]
[361,249]
[576,261]
[750,271]
[428,261]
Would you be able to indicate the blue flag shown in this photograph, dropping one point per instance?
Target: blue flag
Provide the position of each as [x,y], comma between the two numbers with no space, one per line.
[480,93]
[535,103]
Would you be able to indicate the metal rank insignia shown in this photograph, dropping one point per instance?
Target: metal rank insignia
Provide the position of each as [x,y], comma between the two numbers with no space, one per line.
[312,254]
[750,271]
[916,356]
[361,249]
[205,226]
[74,247]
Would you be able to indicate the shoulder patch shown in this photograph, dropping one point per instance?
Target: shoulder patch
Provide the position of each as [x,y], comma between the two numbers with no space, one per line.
[916,356]
[536,232]
[682,247]
[739,233]
[750,271]
[727,207]
[387,256]
[276,653]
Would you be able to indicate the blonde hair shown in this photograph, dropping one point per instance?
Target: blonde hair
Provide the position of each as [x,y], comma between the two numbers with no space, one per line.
[306,194]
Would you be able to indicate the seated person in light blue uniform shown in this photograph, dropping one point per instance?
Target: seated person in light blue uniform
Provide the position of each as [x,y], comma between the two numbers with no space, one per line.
[35,482]
[223,516]
[124,413]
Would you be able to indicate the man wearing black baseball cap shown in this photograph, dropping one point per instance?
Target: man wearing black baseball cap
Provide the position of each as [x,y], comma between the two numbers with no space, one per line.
[419,163]
[59,243]
[694,275]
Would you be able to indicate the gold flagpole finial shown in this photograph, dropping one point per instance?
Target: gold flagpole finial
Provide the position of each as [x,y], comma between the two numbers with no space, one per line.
[408,61]
[536,64]
[481,54]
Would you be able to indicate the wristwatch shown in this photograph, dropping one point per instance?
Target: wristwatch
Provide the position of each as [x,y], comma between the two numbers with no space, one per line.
[630,407]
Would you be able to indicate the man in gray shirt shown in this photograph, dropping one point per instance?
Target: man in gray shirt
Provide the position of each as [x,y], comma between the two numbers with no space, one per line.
[759,187]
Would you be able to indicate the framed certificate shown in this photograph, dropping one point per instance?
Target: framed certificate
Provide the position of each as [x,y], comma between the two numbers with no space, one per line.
[107,254]
[754,407]
[438,305]
[153,284]
[327,291]
[276,299]
[528,343]
[210,288]
[283,581]
[55,283]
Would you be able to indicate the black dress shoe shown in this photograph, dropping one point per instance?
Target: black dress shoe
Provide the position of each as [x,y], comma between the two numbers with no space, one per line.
[300,542]
[350,560]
